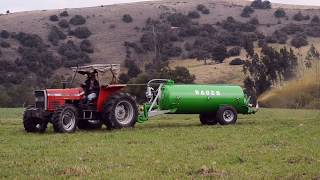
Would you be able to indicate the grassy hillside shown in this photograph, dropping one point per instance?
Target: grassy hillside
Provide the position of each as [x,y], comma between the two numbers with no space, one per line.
[273,144]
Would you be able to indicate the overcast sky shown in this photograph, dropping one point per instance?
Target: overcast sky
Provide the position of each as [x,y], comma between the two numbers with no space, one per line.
[27,5]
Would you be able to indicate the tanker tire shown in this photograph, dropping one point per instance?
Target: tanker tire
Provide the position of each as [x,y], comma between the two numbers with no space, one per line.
[32,124]
[58,120]
[227,115]
[208,118]
[111,114]
[87,125]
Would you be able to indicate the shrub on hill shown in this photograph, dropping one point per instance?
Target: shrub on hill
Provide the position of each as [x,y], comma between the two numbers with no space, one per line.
[54,18]
[63,23]
[5,34]
[219,53]
[29,40]
[300,17]
[292,29]
[4,44]
[178,20]
[280,36]
[55,35]
[127,18]
[254,21]
[234,51]
[202,8]
[86,46]
[279,13]
[81,32]
[313,31]
[193,14]
[72,55]
[64,14]
[236,61]
[77,20]
[315,20]
[189,30]
[247,11]
[259,4]
[232,25]
[299,41]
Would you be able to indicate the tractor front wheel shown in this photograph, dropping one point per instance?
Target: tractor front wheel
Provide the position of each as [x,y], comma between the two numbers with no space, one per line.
[208,118]
[33,124]
[65,119]
[120,111]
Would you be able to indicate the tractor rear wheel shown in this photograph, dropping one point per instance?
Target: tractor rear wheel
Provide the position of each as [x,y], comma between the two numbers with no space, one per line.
[33,124]
[65,119]
[89,124]
[120,111]
[208,118]
[227,115]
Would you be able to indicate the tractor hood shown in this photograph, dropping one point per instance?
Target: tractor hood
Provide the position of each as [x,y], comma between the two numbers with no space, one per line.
[71,93]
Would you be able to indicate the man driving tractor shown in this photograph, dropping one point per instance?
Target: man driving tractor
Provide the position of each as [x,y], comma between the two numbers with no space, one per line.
[91,87]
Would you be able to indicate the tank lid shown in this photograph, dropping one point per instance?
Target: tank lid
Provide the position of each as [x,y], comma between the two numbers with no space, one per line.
[170,82]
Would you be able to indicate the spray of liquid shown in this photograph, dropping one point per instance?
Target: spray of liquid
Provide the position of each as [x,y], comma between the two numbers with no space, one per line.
[303,92]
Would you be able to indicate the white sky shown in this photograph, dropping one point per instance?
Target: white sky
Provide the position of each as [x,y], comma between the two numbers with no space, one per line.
[28,5]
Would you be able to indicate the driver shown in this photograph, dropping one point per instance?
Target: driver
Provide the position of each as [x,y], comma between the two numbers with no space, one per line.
[91,87]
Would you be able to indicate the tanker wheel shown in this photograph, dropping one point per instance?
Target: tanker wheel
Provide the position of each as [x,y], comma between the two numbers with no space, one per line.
[227,115]
[120,111]
[65,119]
[33,124]
[89,124]
[208,118]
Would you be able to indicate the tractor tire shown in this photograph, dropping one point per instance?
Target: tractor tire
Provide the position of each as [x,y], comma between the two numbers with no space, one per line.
[33,124]
[120,111]
[208,118]
[227,115]
[65,119]
[88,125]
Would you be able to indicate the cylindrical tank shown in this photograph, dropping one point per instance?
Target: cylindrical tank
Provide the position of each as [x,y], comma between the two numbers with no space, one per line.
[196,99]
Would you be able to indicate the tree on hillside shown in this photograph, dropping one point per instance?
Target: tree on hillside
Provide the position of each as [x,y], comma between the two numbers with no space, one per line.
[279,13]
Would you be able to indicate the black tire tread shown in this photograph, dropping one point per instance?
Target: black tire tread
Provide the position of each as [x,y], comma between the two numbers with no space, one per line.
[57,126]
[30,123]
[108,110]
[220,115]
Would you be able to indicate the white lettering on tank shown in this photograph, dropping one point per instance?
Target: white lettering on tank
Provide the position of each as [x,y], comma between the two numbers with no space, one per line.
[207,93]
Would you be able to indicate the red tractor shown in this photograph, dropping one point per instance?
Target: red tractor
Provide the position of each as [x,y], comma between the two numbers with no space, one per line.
[68,108]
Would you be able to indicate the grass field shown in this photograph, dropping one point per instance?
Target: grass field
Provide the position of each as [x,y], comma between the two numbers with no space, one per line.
[274,143]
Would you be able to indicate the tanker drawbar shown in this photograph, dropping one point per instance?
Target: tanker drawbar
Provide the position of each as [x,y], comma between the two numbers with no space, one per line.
[214,103]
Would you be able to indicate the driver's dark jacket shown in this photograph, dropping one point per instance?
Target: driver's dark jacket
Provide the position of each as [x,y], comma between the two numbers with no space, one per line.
[94,89]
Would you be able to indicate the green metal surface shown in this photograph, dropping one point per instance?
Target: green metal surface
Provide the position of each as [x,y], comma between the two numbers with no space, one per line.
[195,99]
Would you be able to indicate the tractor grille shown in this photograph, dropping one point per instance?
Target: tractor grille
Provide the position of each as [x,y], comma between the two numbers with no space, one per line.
[40,99]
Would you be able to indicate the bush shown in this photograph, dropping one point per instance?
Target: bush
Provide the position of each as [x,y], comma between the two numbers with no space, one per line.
[178,20]
[313,31]
[55,35]
[81,32]
[237,61]
[5,34]
[77,20]
[4,44]
[29,40]
[72,55]
[234,51]
[279,13]
[63,23]
[64,14]
[292,29]
[202,8]
[193,14]
[127,18]
[86,46]
[254,21]
[280,36]
[259,4]
[188,31]
[299,41]
[315,20]
[247,11]
[300,17]
[234,26]
[187,46]
[54,18]
[219,53]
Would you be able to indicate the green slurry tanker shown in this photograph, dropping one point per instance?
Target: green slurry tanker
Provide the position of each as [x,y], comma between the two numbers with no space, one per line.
[214,103]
